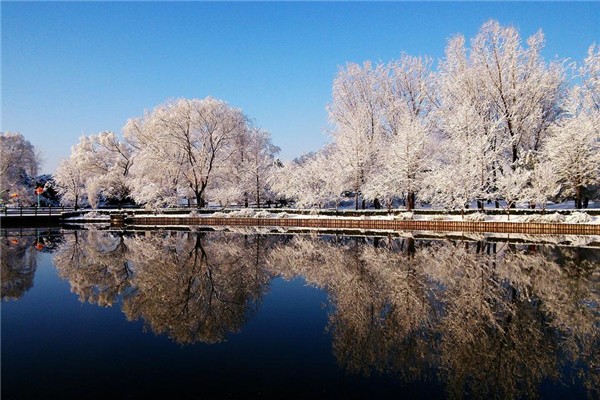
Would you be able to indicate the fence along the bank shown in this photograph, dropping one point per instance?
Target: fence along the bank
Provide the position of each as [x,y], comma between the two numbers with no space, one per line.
[368,224]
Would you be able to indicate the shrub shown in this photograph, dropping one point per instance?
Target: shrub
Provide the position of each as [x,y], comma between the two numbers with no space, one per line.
[475,217]
[578,217]
[405,216]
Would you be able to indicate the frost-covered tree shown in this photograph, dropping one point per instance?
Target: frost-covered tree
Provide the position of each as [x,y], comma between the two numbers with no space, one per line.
[19,164]
[70,181]
[191,138]
[355,113]
[405,152]
[512,186]
[543,183]
[310,180]
[523,92]
[105,160]
[574,152]
[499,98]
[590,76]
[405,160]
[468,132]
[573,149]
[246,174]
[260,161]
[100,163]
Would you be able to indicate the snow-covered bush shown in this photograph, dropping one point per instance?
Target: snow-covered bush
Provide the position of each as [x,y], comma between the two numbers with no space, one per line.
[438,217]
[405,216]
[96,215]
[263,214]
[548,218]
[553,218]
[475,217]
[578,217]
[533,218]
[220,214]
[281,215]
[244,213]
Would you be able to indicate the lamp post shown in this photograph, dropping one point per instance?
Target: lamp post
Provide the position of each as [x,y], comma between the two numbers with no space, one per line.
[39,191]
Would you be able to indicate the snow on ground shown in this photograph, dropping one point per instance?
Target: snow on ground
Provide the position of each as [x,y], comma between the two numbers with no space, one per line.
[551,216]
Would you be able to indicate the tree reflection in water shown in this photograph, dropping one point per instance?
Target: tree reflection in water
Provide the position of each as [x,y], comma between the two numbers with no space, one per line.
[19,248]
[191,286]
[19,262]
[488,319]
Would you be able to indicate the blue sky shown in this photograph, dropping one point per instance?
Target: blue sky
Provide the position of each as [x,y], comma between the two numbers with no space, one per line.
[74,68]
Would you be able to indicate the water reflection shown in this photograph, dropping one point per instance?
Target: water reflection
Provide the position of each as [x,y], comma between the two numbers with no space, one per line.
[488,319]
[191,286]
[19,250]
[494,320]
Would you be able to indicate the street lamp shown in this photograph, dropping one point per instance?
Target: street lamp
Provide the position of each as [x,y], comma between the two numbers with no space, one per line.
[16,197]
[39,191]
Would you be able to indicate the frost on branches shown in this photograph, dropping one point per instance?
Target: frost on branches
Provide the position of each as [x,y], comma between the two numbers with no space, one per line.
[492,122]
[97,170]
[19,164]
[204,150]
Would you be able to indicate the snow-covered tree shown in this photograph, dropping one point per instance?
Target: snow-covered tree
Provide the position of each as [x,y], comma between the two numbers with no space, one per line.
[406,158]
[70,181]
[590,76]
[499,99]
[191,138]
[405,152]
[523,92]
[543,182]
[574,152]
[356,116]
[101,164]
[512,186]
[311,180]
[246,174]
[19,164]
[573,149]
[105,161]
[260,160]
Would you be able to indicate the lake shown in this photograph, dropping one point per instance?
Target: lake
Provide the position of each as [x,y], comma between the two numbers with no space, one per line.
[196,314]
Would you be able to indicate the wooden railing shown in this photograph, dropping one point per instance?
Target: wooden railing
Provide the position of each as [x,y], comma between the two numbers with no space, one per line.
[370,224]
[23,211]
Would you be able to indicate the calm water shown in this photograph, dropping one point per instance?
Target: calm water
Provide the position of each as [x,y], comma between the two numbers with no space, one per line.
[99,314]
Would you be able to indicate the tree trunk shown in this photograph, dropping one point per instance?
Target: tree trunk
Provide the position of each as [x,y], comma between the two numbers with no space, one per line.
[200,203]
[257,192]
[356,201]
[376,204]
[578,196]
[410,246]
[410,201]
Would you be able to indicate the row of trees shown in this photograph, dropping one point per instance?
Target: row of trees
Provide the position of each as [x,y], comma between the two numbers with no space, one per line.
[19,167]
[183,149]
[493,121]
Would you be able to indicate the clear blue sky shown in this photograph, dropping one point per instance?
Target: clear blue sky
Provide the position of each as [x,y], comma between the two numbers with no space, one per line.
[73,68]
